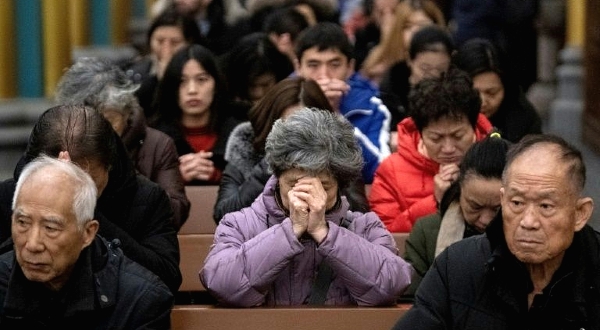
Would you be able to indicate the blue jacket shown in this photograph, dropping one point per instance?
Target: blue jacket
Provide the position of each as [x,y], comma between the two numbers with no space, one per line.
[371,120]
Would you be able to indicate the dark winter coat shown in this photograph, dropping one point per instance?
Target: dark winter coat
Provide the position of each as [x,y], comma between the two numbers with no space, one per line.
[154,155]
[478,284]
[105,291]
[131,208]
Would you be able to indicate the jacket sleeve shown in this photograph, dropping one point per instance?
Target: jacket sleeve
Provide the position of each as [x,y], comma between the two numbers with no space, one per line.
[235,192]
[169,178]
[152,310]
[374,138]
[416,253]
[379,275]
[153,242]
[239,271]
[389,204]
[431,309]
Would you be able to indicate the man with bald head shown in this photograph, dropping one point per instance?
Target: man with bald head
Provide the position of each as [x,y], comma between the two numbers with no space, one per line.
[537,266]
[60,274]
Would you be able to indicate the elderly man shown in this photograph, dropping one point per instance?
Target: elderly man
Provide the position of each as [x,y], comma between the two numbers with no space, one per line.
[60,274]
[537,267]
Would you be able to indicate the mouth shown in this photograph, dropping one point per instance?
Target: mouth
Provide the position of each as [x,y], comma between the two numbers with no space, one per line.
[34,265]
[193,103]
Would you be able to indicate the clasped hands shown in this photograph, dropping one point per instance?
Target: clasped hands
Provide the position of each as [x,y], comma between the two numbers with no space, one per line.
[307,205]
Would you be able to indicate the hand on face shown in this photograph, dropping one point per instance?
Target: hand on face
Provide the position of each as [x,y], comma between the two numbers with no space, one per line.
[308,203]
[334,90]
[196,166]
[446,176]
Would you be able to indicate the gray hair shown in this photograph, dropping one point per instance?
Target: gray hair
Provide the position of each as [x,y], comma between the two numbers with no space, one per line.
[97,83]
[84,199]
[315,141]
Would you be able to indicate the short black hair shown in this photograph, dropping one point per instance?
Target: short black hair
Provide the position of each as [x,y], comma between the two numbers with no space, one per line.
[428,39]
[324,36]
[451,95]
[285,20]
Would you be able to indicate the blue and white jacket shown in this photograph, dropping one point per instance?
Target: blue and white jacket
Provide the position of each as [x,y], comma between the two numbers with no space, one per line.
[371,120]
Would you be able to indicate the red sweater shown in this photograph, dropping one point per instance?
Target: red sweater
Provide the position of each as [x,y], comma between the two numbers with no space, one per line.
[203,139]
[402,189]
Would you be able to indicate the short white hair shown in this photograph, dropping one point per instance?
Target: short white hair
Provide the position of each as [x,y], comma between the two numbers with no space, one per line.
[84,199]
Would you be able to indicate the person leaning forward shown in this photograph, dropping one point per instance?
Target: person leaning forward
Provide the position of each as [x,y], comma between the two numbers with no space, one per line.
[60,274]
[537,266]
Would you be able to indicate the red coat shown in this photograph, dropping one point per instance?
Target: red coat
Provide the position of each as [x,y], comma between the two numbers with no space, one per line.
[402,189]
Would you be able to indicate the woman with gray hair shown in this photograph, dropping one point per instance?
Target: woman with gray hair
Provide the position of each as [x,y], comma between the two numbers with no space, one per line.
[269,253]
[102,85]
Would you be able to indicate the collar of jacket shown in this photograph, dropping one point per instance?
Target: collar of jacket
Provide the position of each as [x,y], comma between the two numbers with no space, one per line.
[276,214]
[91,283]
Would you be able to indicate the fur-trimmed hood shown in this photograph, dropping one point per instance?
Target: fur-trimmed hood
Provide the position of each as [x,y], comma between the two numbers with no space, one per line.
[239,151]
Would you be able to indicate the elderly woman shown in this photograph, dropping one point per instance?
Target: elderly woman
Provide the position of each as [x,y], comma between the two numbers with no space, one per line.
[269,253]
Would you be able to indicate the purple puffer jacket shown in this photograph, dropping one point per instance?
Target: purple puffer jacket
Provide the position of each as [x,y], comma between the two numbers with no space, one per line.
[257,260]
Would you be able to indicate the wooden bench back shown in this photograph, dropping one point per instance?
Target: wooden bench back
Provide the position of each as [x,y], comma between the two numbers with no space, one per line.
[296,318]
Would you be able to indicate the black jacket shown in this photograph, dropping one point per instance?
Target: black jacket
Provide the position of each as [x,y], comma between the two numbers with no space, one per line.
[394,89]
[131,208]
[516,116]
[478,284]
[105,291]
[247,173]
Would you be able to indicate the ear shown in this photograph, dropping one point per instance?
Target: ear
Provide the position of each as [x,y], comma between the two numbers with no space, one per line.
[585,207]
[64,155]
[89,232]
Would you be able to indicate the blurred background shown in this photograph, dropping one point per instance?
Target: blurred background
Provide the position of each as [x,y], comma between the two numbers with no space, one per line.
[39,39]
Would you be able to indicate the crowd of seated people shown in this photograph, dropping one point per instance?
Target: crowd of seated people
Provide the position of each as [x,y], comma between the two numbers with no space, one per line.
[324,141]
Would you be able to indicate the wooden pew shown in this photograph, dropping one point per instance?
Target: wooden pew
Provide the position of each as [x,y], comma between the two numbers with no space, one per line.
[200,220]
[288,318]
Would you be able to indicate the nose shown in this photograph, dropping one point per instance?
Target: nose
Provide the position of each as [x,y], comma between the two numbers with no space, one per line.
[323,72]
[529,219]
[486,216]
[34,241]
[448,146]
[192,86]
[483,97]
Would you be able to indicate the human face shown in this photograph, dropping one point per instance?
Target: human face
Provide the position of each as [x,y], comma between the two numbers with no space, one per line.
[329,63]
[116,120]
[47,238]
[260,86]
[417,20]
[196,92]
[429,64]
[491,92]
[447,140]
[479,200]
[288,179]
[166,41]
[541,208]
